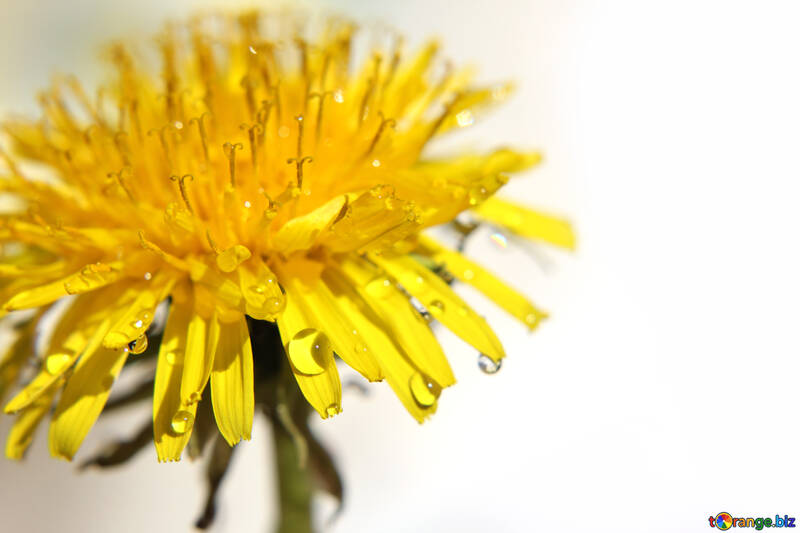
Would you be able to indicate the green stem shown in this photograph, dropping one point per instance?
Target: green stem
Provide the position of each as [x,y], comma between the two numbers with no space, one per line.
[294,484]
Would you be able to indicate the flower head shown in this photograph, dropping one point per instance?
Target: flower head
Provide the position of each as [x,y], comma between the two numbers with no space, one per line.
[256,172]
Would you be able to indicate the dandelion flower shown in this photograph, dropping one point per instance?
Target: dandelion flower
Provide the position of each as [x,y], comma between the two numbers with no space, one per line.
[245,170]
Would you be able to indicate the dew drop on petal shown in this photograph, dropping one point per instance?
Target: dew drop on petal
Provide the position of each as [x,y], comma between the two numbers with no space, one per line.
[56,363]
[338,96]
[182,422]
[487,365]
[171,357]
[139,345]
[332,410]
[423,390]
[148,276]
[376,163]
[477,195]
[379,288]
[436,307]
[275,304]
[308,351]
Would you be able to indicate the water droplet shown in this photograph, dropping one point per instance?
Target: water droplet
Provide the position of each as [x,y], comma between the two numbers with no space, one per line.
[148,276]
[499,239]
[376,163]
[195,397]
[171,357]
[423,390]
[379,288]
[468,274]
[247,204]
[137,324]
[477,195]
[178,125]
[360,347]
[283,132]
[56,363]
[436,307]
[252,50]
[258,289]
[182,422]
[275,305]
[309,351]
[531,319]
[332,410]
[465,118]
[138,346]
[487,365]
[338,96]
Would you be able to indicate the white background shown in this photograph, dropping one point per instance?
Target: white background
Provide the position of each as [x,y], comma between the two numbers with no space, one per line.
[664,388]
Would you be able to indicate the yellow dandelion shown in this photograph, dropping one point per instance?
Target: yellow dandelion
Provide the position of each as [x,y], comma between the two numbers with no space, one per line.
[255,175]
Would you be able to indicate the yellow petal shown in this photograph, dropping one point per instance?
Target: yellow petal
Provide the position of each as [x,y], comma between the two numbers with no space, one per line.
[83,398]
[21,434]
[301,232]
[394,363]
[322,313]
[90,277]
[79,332]
[323,390]
[232,382]
[202,336]
[528,223]
[374,220]
[445,305]
[407,327]
[166,392]
[15,356]
[135,320]
[508,298]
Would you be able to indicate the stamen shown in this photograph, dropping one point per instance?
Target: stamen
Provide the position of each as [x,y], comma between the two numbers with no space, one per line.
[320,107]
[123,152]
[251,132]
[230,153]
[446,113]
[211,243]
[392,123]
[373,82]
[299,119]
[117,176]
[201,129]
[248,84]
[164,144]
[182,186]
[299,163]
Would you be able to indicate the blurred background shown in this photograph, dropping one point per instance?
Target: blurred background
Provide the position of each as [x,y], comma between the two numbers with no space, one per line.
[663,389]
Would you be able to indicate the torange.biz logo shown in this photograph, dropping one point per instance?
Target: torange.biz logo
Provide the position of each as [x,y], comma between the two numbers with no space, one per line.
[725,521]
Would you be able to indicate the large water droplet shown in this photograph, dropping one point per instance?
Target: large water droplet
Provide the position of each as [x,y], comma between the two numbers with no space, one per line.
[423,390]
[379,288]
[182,422]
[56,363]
[487,364]
[309,351]
[333,410]
[138,346]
